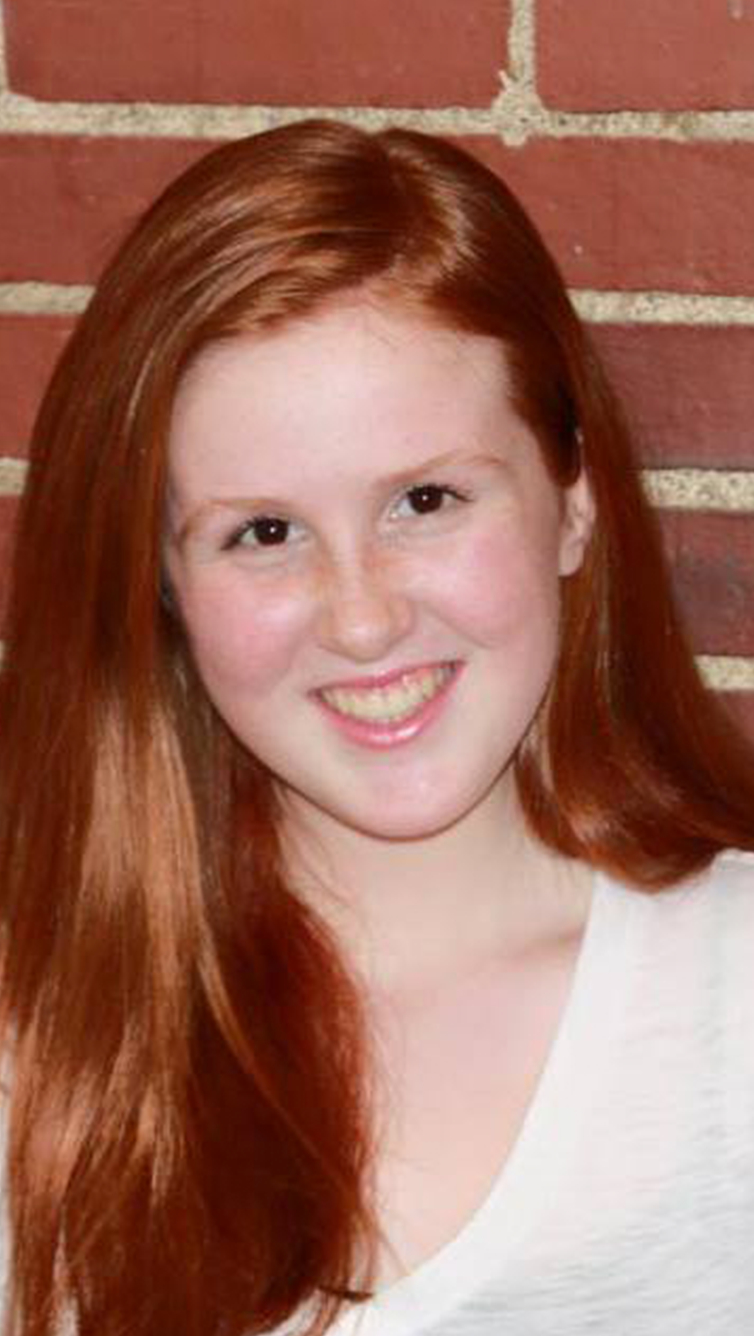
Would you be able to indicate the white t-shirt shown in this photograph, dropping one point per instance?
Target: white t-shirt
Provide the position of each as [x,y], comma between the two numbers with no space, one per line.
[626,1207]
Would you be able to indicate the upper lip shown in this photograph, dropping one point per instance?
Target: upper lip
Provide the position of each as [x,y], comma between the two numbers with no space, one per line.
[385,679]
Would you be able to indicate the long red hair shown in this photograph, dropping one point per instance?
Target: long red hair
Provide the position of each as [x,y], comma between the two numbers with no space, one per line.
[189,1123]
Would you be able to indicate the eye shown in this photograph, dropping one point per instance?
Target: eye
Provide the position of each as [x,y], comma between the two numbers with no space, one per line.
[429,498]
[265,531]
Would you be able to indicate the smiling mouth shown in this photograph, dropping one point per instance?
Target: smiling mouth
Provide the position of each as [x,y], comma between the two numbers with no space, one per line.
[389,704]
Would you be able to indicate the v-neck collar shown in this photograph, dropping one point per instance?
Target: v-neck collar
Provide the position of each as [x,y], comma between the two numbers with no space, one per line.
[525,1187]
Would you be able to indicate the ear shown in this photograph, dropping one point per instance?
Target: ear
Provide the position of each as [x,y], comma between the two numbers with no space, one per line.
[577,524]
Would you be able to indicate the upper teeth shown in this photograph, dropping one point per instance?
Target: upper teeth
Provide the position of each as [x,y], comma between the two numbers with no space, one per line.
[389,703]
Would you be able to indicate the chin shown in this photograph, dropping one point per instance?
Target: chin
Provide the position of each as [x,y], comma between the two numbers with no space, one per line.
[406,821]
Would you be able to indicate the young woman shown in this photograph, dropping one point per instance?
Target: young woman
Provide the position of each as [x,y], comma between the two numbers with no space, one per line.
[346,724]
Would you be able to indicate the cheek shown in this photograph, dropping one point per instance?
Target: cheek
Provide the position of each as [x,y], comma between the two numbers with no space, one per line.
[501,587]
[240,640]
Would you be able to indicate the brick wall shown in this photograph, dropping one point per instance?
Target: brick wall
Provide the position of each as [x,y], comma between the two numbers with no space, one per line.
[627,127]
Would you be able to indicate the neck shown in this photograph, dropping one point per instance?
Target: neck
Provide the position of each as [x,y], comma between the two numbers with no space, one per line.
[407,912]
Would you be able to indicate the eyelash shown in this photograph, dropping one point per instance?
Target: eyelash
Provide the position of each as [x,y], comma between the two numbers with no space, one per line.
[438,491]
[441,490]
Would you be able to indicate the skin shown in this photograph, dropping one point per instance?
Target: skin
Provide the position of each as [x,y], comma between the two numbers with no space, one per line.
[311,424]
[455,917]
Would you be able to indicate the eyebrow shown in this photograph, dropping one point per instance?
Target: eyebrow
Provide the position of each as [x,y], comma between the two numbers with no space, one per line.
[387,482]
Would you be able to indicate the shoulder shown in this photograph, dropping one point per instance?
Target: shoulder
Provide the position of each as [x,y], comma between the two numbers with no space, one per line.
[713,908]
[686,983]
[722,894]
[719,899]
[724,900]
[732,871]
[694,950]
[693,942]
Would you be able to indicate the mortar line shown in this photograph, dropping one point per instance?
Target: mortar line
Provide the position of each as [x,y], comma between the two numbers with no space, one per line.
[33,298]
[656,307]
[597,307]
[521,46]
[514,116]
[722,491]
[727,672]
[12,476]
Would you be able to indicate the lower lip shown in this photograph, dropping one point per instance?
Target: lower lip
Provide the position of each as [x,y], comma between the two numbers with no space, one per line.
[382,735]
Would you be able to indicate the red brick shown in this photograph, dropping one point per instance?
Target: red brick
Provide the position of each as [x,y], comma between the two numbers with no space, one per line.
[602,205]
[332,53]
[633,214]
[596,56]
[29,347]
[68,201]
[688,391]
[8,513]
[712,560]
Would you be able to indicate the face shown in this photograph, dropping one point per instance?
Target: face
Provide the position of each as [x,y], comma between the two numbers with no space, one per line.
[366,552]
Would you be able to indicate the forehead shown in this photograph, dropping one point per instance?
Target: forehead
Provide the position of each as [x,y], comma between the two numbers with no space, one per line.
[355,386]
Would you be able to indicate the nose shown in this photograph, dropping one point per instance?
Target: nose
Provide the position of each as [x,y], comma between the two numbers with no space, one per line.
[364,610]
